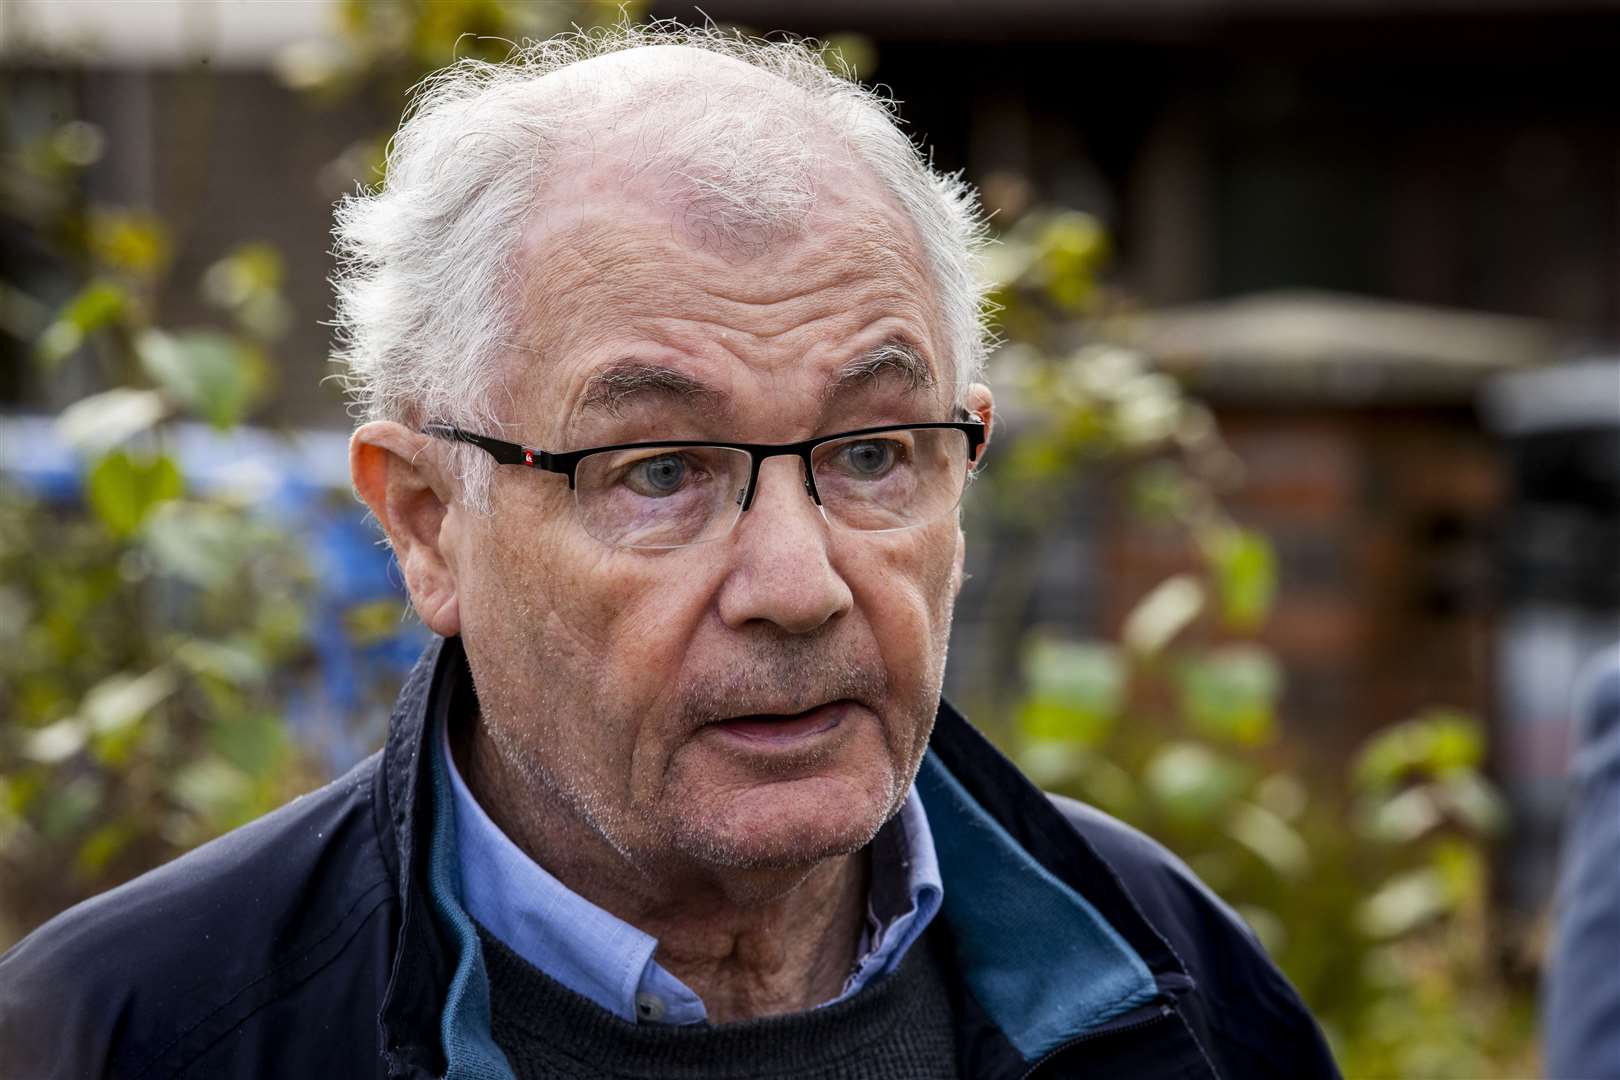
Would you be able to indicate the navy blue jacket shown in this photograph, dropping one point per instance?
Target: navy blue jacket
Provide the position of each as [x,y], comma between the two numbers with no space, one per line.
[319,941]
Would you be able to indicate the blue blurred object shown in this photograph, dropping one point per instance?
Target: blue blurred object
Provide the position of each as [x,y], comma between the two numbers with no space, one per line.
[1558,536]
[1581,1014]
[301,481]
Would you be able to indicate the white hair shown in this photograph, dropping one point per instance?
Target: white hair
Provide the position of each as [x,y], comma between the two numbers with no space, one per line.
[425,281]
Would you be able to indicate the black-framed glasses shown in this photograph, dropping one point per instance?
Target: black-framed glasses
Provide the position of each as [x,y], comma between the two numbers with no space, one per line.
[676,493]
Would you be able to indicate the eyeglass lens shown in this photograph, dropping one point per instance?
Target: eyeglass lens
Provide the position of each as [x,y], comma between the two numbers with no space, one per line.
[656,497]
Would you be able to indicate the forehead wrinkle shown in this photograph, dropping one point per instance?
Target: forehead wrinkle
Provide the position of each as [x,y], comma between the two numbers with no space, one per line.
[599,258]
[602,251]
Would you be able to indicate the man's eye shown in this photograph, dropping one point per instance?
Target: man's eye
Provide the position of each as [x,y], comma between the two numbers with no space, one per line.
[656,476]
[870,457]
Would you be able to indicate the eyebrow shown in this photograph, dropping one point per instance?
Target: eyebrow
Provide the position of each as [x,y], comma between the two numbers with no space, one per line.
[894,357]
[627,381]
[612,387]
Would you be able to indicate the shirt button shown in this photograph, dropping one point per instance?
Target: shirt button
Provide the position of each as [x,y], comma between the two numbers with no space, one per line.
[649,1007]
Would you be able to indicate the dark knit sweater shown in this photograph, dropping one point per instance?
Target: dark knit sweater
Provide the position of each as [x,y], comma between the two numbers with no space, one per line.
[898,1027]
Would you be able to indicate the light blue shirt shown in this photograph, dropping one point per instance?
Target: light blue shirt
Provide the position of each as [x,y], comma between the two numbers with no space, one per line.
[601,957]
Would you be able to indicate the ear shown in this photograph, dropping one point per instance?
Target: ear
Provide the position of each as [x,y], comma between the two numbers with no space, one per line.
[981,404]
[396,476]
[956,566]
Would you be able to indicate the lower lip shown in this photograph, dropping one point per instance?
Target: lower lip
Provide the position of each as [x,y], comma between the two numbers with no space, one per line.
[786,731]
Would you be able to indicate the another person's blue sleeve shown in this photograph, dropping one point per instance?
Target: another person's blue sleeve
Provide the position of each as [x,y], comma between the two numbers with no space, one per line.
[1581,1016]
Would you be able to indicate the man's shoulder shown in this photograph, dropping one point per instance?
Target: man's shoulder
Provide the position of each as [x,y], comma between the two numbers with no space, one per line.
[162,966]
[1155,878]
[1251,1012]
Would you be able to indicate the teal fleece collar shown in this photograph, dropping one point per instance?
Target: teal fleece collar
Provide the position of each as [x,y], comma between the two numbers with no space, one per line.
[464,1026]
[1035,954]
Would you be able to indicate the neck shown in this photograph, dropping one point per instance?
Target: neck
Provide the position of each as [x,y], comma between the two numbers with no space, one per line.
[749,943]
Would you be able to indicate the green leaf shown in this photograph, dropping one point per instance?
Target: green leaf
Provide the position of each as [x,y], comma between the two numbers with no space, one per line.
[1159,491]
[1462,866]
[197,542]
[1474,801]
[1399,818]
[1147,410]
[1270,837]
[1193,783]
[1049,763]
[120,700]
[1245,572]
[1163,613]
[102,421]
[1075,690]
[98,304]
[247,282]
[78,144]
[235,279]
[133,241]
[55,744]
[68,808]
[1267,926]
[20,791]
[1109,786]
[123,491]
[1284,794]
[232,662]
[213,374]
[1231,693]
[212,789]
[253,743]
[1404,903]
[1073,250]
[103,845]
[1433,743]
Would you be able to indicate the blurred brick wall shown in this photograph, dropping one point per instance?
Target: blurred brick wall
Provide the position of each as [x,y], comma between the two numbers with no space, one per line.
[1384,525]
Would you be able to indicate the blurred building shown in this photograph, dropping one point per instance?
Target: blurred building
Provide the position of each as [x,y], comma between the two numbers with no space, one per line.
[1365,464]
[1429,151]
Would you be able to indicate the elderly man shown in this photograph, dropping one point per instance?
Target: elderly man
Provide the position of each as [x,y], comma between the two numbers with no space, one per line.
[670,349]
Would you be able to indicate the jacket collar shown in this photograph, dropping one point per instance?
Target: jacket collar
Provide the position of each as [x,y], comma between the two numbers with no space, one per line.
[1028,901]
[1034,825]
[424,956]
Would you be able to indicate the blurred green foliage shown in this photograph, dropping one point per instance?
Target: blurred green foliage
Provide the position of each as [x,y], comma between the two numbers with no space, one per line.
[1368,882]
[147,637]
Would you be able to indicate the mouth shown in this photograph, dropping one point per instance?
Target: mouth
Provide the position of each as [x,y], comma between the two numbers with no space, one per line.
[764,730]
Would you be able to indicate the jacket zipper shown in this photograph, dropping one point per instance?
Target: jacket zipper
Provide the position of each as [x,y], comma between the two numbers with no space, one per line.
[1102,1032]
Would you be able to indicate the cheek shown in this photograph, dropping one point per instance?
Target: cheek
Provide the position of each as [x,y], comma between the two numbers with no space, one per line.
[604,631]
[631,618]
[905,587]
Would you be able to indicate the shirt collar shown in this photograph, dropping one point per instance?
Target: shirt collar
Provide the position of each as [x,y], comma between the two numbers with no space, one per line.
[903,895]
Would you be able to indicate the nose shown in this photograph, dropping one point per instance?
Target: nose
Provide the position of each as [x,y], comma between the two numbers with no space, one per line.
[782,572]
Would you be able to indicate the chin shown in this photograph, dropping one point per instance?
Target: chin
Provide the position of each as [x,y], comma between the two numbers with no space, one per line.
[768,827]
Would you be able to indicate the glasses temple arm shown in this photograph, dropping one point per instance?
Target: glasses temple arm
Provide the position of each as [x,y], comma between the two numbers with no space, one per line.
[506,453]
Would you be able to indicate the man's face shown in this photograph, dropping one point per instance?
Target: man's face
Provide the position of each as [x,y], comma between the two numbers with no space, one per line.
[762,700]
